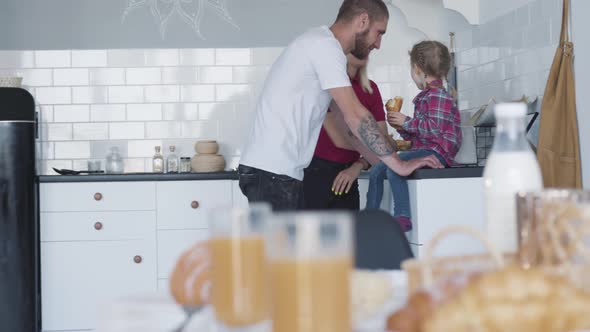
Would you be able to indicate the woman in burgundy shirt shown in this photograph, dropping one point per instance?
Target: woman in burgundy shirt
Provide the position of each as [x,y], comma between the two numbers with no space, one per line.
[330,180]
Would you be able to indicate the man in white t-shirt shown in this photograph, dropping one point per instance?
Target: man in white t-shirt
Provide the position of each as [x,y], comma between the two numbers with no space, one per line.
[308,76]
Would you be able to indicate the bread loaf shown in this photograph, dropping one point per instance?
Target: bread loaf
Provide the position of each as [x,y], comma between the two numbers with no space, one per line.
[422,304]
[190,281]
[394,105]
[512,299]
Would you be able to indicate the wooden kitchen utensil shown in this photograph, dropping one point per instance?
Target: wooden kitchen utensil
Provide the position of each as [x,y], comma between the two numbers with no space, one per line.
[64,171]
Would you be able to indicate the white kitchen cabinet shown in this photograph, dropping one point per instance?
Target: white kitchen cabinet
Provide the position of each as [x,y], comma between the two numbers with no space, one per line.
[180,225]
[76,277]
[97,196]
[98,243]
[171,243]
[184,204]
[97,226]
[438,203]
[164,286]
[89,242]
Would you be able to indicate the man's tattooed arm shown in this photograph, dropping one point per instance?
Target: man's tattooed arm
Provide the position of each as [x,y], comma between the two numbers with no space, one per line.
[369,133]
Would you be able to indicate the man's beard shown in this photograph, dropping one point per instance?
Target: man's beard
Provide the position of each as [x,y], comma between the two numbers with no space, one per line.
[361,50]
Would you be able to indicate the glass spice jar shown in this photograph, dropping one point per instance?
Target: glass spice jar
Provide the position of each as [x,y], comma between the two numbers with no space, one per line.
[185,165]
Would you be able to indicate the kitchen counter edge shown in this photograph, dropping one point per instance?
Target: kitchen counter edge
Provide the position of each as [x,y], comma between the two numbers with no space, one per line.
[446,173]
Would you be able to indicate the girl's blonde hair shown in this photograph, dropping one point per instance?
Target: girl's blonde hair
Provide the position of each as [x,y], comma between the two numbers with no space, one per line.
[364,80]
[432,57]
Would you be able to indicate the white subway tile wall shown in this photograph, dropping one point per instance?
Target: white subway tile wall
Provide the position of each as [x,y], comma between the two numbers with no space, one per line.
[126,130]
[197,57]
[107,112]
[70,77]
[139,76]
[107,76]
[197,93]
[31,77]
[135,99]
[17,60]
[72,150]
[89,58]
[53,95]
[71,113]
[89,95]
[162,94]
[180,75]
[180,111]
[144,112]
[508,56]
[91,131]
[53,59]
[59,132]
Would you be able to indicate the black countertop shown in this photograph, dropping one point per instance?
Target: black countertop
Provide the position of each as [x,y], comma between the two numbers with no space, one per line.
[132,177]
[446,173]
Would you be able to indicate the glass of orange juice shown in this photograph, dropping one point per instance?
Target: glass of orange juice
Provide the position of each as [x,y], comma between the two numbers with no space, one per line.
[239,293]
[310,261]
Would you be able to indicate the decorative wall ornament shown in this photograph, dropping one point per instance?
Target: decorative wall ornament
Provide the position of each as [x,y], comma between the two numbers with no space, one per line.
[189,11]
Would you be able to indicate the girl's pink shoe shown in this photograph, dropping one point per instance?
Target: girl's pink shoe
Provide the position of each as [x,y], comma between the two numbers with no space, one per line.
[404,222]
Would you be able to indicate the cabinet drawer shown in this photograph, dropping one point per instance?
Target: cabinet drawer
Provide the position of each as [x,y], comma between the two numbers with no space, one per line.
[184,205]
[97,226]
[97,196]
[171,244]
[164,287]
[78,277]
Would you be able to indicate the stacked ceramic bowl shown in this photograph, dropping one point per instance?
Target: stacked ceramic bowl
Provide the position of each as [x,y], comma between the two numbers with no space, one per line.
[207,158]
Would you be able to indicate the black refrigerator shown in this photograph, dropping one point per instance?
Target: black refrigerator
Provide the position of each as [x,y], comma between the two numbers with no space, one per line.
[19,222]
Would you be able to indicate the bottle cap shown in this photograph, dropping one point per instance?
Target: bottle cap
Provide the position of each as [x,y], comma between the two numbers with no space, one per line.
[510,110]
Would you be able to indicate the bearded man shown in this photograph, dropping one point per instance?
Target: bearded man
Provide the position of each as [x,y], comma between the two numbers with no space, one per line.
[309,77]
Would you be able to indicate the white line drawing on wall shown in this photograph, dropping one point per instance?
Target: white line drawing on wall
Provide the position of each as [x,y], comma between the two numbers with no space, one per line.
[189,11]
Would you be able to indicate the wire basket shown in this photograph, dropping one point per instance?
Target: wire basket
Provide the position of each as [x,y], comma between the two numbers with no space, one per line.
[484,140]
[11,82]
[423,272]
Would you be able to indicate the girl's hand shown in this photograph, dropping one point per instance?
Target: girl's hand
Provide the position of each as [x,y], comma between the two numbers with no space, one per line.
[396,119]
[345,179]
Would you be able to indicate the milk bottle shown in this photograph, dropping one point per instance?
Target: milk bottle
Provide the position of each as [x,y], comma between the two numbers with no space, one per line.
[511,167]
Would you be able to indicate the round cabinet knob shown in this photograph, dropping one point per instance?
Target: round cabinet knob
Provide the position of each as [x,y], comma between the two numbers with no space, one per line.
[137,259]
[195,204]
[97,196]
[98,225]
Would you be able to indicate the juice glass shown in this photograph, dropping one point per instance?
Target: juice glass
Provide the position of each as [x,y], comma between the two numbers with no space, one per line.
[310,262]
[239,294]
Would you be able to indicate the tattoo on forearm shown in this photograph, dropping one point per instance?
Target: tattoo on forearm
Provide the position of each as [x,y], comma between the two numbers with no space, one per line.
[350,134]
[373,138]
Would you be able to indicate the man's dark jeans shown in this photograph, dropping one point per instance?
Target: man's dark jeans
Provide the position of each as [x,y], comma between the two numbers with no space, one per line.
[284,193]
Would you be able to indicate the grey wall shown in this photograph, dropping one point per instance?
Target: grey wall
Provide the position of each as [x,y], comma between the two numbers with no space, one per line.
[97,24]
[580,27]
